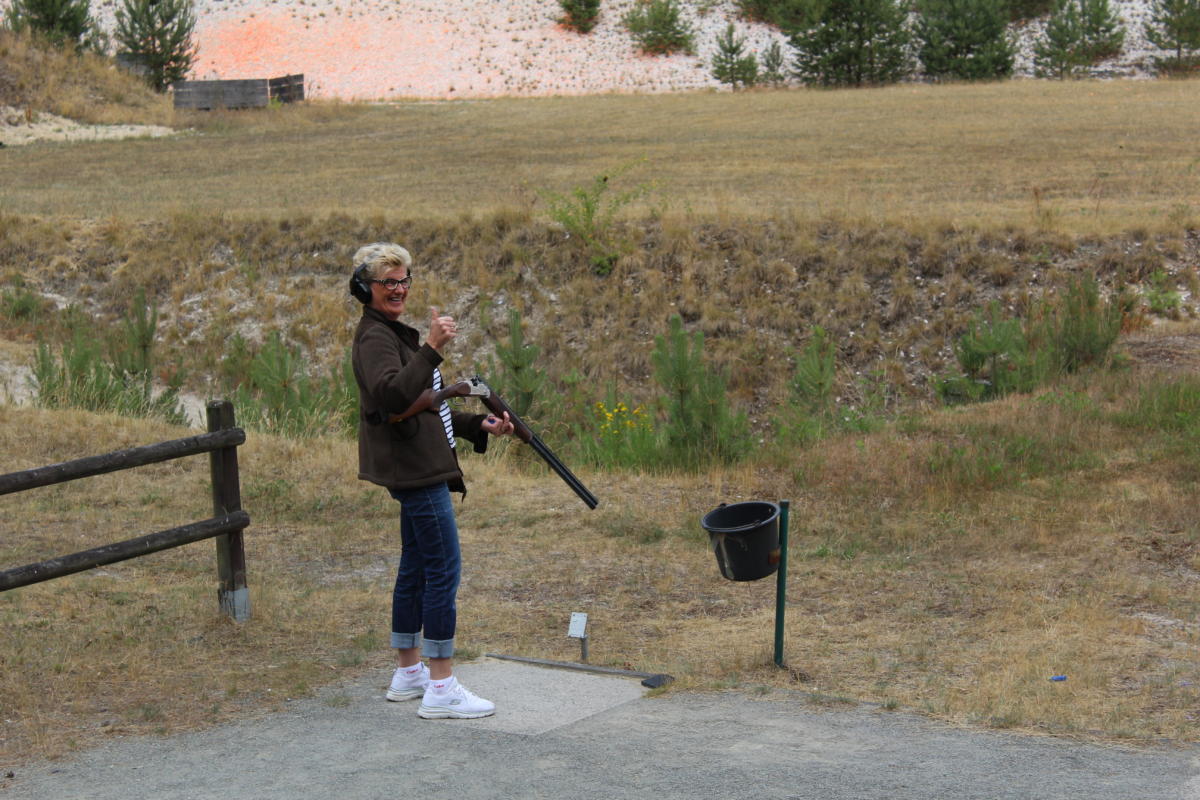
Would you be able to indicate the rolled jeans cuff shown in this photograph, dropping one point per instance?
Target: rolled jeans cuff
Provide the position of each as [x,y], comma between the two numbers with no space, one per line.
[405,641]
[437,648]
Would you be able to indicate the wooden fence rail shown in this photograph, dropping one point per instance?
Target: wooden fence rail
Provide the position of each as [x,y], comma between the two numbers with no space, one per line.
[226,525]
[240,93]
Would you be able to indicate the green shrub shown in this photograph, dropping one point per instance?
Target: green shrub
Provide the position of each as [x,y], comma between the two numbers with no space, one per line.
[20,304]
[700,426]
[587,214]
[995,358]
[999,355]
[1103,35]
[812,412]
[964,39]
[658,27]
[620,436]
[730,64]
[854,43]
[1079,329]
[1059,52]
[64,23]
[581,15]
[131,349]
[773,64]
[1077,34]
[1174,26]
[518,381]
[278,395]
[1161,296]
[812,380]
[124,384]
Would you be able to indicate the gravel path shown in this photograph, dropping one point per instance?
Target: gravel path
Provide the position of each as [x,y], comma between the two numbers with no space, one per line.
[558,734]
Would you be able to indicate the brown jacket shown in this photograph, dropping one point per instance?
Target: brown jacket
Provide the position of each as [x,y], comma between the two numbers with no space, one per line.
[392,368]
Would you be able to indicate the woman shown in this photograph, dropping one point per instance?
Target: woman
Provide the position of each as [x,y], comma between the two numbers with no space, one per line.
[415,461]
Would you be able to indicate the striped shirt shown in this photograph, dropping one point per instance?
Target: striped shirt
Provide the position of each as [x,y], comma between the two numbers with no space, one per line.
[444,411]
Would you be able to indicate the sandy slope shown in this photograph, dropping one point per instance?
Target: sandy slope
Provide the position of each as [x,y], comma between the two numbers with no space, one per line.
[390,49]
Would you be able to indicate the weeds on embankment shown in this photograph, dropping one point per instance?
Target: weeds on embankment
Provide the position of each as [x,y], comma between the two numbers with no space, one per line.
[892,303]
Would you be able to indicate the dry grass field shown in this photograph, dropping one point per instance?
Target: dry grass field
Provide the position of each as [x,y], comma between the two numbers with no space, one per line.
[1090,158]
[949,561]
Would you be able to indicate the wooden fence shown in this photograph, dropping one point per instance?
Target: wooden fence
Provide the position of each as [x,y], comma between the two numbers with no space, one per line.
[253,93]
[226,524]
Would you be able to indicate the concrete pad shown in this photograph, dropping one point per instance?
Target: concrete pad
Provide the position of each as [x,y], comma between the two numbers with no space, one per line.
[531,700]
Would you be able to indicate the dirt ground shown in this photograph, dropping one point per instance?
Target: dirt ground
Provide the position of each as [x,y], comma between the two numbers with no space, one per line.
[19,126]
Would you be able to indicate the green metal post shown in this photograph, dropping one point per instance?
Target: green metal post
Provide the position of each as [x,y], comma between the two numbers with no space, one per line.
[781,581]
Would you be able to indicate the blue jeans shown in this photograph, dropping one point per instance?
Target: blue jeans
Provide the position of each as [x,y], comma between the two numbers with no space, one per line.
[430,566]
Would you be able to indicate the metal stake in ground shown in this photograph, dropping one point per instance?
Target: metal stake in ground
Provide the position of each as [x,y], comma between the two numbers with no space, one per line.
[781,581]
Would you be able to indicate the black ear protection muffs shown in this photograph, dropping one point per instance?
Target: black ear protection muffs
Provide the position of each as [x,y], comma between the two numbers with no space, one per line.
[360,285]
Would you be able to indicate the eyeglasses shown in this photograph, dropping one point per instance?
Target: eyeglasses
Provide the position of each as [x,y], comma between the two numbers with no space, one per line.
[391,284]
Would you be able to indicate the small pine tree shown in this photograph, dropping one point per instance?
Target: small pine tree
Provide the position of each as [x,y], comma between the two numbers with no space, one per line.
[1103,36]
[773,65]
[62,22]
[1175,26]
[581,15]
[659,28]
[729,64]
[964,39]
[157,34]
[519,380]
[701,427]
[1078,33]
[854,43]
[1059,52]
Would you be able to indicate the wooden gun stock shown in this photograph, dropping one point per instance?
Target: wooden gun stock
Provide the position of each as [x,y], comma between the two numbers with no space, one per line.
[429,399]
[498,407]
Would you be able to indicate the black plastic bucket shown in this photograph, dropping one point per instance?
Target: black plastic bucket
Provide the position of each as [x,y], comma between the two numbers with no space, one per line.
[744,538]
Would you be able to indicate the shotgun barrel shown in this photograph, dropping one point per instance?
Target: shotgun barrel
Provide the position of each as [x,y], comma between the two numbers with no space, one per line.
[497,406]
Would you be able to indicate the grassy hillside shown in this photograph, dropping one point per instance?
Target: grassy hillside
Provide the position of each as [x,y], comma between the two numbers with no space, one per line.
[944,559]
[85,87]
[888,217]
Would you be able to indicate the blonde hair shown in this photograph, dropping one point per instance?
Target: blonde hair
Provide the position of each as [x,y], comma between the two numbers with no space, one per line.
[379,257]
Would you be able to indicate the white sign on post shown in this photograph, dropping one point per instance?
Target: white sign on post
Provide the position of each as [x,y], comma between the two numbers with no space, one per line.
[578,627]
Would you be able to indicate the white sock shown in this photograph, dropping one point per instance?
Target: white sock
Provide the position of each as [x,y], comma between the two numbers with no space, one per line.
[413,671]
[442,685]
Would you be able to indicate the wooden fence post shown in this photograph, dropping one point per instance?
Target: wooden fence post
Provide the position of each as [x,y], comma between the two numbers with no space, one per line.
[232,594]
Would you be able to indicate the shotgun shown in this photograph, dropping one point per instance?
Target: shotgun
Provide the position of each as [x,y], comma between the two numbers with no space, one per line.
[498,407]
[475,387]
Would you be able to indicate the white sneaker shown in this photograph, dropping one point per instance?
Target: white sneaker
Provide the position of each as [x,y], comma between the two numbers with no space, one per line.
[408,688]
[455,701]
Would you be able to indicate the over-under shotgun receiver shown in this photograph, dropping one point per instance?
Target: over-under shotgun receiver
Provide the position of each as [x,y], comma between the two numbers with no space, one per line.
[430,399]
